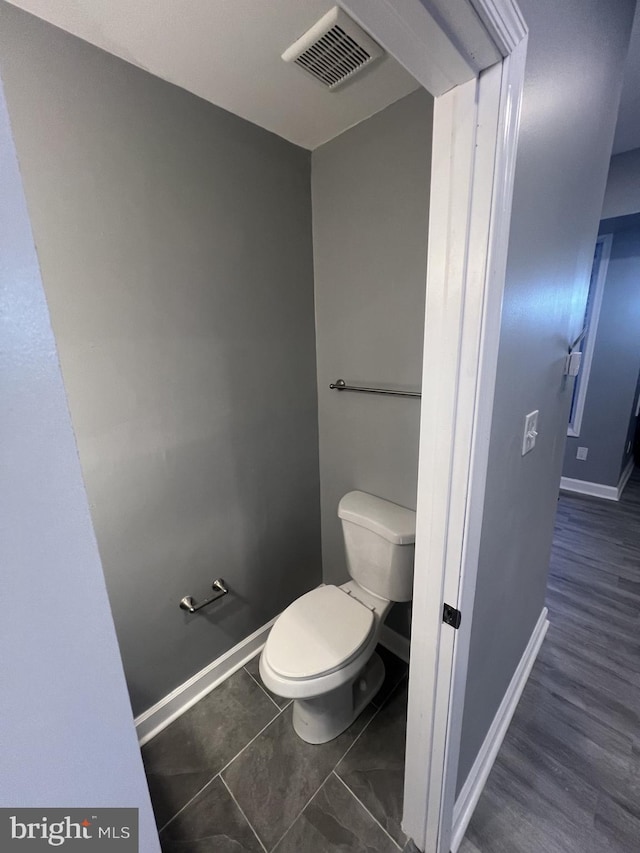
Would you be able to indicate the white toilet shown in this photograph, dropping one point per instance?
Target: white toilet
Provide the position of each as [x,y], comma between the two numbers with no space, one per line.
[320,651]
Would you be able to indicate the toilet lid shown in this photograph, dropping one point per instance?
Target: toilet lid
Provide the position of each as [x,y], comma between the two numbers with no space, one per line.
[318,633]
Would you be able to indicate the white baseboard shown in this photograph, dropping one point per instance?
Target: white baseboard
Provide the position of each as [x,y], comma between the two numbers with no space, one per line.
[624,477]
[583,487]
[158,717]
[472,788]
[396,643]
[598,490]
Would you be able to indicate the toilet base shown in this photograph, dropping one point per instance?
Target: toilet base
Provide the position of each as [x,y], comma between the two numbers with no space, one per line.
[323,718]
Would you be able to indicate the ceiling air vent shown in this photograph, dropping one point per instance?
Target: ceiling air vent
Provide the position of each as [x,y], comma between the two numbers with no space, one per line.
[333,50]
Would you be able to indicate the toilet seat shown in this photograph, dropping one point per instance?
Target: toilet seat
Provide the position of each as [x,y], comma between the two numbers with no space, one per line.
[321,632]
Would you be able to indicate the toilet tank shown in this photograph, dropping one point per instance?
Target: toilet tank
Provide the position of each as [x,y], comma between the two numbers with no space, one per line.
[379,539]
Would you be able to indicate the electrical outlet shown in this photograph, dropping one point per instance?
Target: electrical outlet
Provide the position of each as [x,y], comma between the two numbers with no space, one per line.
[530,432]
[582,453]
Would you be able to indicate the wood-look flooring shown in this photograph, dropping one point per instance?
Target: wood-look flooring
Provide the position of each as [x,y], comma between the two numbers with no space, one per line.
[567,777]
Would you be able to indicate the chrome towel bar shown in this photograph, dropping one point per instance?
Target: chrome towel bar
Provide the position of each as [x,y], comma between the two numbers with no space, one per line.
[341,385]
[187,603]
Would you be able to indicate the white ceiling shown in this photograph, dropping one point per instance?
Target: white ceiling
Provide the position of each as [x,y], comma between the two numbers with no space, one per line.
[628,127]
[228,52]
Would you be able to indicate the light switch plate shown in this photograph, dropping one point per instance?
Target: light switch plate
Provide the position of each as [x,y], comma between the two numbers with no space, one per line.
[530,432]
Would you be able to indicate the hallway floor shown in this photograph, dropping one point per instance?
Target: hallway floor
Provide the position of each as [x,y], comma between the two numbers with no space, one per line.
[231,775]
[567,777]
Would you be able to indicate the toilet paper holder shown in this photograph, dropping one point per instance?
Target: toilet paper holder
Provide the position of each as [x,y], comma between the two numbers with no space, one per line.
[188,603]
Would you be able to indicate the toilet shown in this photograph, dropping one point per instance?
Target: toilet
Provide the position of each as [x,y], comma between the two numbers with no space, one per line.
[321,649]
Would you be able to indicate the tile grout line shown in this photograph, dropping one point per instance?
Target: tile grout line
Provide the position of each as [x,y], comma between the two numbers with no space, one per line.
[403,677]
[261,686]
[373,817]
[219,773]
[264,728]
[324,781]
[357,737]
[373,716]
[251,827]
[302,810]
[188,803]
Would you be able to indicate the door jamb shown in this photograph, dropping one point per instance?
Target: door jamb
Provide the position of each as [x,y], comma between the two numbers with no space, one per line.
[499,98]
[475,136]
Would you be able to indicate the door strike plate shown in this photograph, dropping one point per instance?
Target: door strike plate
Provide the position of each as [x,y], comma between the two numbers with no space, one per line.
[451,616]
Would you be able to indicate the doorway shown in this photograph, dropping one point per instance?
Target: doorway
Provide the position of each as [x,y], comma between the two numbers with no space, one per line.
[463,198]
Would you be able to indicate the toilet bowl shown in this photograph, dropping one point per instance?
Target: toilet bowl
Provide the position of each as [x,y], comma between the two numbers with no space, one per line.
[321,649]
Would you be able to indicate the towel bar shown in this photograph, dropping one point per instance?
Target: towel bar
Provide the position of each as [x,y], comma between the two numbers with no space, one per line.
[341,385]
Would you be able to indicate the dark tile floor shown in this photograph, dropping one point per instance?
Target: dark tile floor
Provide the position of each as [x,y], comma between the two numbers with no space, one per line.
[567,777]
[231,774]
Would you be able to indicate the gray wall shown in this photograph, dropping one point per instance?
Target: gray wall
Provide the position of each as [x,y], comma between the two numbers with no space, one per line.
[609,411]
[67,737]
[175,244]
[572,87]
[622,196]
[370,207]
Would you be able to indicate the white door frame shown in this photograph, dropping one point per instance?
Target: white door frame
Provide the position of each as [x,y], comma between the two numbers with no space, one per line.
[470,55]
[589,344]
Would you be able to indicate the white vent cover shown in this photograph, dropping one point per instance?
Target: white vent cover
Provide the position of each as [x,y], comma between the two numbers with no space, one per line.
[333,50]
